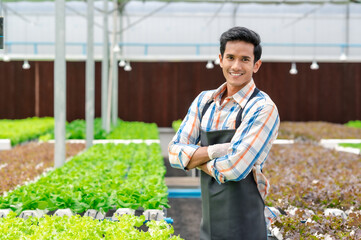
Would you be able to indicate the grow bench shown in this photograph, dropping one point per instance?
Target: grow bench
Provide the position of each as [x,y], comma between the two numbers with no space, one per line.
[150,214]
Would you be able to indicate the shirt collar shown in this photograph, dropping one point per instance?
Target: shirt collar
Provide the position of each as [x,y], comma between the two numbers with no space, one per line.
[241,97]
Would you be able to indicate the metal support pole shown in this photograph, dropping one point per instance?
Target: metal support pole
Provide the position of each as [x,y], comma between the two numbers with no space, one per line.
[234,14]
[115,67]
[59,84]
[90,88]
[105,67]
[347,31]
[5,28]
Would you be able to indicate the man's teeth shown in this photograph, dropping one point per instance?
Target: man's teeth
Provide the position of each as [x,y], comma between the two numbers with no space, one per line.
[236,74]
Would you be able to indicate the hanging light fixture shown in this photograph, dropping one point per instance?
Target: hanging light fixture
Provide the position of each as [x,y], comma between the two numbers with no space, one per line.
[209,65]
[122,63]
[343,56]
[6,58]
[26,65]
[116,48]
[216,61]
[314,65]
[293,69]
[127,67]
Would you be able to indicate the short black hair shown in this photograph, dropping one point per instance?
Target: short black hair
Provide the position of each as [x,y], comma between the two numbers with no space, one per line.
[242,34]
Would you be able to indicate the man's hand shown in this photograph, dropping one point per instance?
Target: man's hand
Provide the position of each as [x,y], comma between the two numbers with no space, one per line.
[218,150]
[203,154]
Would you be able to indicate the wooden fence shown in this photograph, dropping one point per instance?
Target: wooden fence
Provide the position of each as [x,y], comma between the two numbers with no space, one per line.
[161,92]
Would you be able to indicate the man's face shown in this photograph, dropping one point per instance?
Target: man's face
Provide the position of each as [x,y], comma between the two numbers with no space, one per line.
[238,64]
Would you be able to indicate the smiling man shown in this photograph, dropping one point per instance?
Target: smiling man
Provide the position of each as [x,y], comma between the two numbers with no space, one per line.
[227,134]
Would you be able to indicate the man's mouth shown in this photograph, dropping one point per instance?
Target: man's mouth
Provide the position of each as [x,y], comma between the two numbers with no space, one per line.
[236,74]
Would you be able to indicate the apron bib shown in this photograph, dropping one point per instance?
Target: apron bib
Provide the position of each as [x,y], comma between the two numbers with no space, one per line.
[232,210]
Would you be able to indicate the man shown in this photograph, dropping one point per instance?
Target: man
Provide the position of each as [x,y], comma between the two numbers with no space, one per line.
[227,134]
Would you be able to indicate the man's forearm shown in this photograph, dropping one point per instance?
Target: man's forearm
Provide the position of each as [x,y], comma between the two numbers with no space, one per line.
[204,168]
[199,157]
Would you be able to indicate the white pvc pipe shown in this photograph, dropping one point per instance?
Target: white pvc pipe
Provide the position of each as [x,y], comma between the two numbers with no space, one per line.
[59,84]
[90,82]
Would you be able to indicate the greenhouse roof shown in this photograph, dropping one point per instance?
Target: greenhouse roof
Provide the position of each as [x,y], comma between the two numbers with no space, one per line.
[223,1]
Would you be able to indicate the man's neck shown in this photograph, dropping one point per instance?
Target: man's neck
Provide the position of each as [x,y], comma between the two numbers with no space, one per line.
[231,90]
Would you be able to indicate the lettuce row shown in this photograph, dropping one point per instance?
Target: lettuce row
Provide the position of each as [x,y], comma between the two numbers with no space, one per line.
[103,177]
[123,130]
[76,227]
[21,130]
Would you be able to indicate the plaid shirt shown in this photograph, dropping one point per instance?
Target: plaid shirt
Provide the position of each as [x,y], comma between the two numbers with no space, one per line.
[249,146]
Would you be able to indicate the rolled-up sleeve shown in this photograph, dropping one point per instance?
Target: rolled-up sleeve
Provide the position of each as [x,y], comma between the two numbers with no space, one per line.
[250,145]
[185,142]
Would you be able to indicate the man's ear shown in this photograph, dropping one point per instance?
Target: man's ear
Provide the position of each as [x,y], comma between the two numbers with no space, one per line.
[257,65]
[220,60]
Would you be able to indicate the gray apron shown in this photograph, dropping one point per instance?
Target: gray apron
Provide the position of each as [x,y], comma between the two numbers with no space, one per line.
[235,209]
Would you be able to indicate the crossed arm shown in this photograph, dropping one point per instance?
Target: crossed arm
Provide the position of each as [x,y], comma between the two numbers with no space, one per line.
[204,154]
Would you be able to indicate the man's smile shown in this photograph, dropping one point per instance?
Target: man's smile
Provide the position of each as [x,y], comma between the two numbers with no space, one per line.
[236,74]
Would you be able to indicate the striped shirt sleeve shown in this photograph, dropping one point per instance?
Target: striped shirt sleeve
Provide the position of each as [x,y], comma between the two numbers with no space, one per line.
[250,144]
[185,142]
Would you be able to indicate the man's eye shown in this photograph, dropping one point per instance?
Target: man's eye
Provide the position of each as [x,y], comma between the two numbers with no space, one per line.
[245,59]
[230,57]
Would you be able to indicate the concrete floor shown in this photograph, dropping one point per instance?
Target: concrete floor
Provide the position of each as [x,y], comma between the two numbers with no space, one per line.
[185,212]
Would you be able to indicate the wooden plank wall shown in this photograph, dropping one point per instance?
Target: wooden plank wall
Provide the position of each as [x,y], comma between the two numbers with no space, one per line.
[162,92]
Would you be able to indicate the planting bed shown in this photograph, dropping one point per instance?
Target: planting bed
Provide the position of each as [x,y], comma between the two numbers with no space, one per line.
[312,178]
[103,177]
[22,130]
[25,162]
[76,227]
[352,145]
[315,131]
[124,130]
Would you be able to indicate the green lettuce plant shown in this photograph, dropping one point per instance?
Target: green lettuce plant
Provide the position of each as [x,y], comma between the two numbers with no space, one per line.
[176,124]
[123,130]
[21,130]
[354,124]
[77,130]
[352,145]
[80,228]
[103,177]
[134,130]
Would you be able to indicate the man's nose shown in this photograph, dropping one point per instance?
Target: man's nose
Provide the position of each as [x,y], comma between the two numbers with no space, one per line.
[237,65]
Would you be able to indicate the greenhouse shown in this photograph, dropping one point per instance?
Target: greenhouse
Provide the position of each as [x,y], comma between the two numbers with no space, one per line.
[115,123]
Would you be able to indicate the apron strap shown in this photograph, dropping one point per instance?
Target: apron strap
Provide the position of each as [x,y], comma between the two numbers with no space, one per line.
[239,115]
[205,108]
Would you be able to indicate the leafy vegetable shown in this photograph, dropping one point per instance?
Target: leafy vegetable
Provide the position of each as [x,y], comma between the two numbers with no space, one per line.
[21,130]
[134,130]
[123,130]
[318,226]
[315,131]
[104,177]
[25,162]
[352,145]
[312,177]
[80,228]
[77,130]
[176,124]
[354,124]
